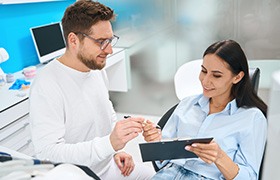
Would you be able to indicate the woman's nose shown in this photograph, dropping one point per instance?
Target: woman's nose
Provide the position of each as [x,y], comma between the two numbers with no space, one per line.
[205,80]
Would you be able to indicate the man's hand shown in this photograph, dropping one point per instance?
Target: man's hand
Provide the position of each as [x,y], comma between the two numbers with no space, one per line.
[125,163]
[151,131]
[124,131]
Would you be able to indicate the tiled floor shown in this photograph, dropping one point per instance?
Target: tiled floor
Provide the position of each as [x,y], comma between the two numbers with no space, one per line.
[132,147]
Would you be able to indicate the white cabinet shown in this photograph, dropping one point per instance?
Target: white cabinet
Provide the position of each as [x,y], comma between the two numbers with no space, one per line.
[14,124]
[116,71]
[16,136]
[14,127]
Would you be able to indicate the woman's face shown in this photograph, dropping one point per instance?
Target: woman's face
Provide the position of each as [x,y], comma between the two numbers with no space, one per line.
[216,78]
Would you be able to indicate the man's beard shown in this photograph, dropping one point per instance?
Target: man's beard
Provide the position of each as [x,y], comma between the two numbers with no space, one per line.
[90,63]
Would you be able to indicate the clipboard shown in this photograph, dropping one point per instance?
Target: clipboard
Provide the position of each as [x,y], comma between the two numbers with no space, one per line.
[171,149]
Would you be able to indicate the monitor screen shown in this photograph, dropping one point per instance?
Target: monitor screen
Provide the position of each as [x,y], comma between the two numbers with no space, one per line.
[49,41]
[272,155]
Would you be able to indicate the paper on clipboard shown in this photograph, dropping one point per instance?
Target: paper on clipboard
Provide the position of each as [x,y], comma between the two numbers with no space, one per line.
[171,149]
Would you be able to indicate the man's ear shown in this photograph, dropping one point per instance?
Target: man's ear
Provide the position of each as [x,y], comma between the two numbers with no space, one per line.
[238,77]
[73,39]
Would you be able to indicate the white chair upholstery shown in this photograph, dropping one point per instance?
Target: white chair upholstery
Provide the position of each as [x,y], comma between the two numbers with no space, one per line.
[186,79]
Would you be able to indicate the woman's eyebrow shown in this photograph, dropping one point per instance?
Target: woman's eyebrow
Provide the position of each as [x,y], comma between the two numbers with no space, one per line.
[214,71]
[217,71]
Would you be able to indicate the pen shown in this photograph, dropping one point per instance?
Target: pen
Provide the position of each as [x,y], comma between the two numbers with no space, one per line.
[157,126]
[145,122]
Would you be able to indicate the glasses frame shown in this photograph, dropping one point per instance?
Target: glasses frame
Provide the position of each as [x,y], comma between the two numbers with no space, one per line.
[103,43]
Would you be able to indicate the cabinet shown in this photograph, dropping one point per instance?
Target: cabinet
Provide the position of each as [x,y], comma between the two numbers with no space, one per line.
[14,124]
[16,136]
[116,70]
[14,105]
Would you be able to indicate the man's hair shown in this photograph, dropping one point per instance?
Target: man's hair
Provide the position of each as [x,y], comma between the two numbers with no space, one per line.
[80,16]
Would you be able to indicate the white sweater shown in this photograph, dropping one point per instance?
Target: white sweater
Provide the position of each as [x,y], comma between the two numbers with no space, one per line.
[71,116]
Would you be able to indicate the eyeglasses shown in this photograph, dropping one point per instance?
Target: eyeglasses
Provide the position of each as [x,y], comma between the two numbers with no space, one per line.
[103,43]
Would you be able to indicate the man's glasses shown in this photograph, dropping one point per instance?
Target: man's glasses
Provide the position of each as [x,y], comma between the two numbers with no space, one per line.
[103,43]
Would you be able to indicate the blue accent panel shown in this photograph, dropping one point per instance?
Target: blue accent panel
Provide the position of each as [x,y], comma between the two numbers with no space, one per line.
[16,20]
[15,37]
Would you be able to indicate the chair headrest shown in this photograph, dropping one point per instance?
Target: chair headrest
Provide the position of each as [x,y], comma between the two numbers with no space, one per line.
[187,83]
[254,74]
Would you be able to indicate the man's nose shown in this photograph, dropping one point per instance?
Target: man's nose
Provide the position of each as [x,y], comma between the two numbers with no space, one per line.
[108,49]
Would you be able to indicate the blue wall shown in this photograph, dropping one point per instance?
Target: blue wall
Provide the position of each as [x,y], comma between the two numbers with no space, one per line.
[15,37]
[16,20]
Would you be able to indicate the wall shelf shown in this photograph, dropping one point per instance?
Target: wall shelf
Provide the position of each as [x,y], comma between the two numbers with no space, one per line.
[24,1]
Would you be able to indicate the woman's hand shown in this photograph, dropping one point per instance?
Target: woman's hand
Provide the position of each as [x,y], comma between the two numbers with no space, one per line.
[151,131]
[209,153]
[212,153]
[125,163]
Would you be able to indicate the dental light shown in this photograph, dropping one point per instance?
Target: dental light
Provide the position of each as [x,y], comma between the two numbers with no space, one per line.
[4,56]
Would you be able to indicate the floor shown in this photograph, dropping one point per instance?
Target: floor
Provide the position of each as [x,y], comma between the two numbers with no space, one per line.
[132,147]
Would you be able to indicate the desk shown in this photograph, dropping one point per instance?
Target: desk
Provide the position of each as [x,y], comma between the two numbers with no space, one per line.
[116,70]
[14,105]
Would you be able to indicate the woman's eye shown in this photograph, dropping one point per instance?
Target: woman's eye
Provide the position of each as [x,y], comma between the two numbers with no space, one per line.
[203,71]
[217,76]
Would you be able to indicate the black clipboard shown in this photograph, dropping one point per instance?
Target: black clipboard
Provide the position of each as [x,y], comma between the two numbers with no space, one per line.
[172,149]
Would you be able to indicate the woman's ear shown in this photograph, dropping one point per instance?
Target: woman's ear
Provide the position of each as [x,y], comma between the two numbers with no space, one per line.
[238,77]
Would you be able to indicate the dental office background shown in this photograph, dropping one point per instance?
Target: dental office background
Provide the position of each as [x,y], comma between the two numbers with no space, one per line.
[159,36]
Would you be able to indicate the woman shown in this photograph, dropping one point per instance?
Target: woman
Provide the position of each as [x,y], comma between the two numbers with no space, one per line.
[228,110]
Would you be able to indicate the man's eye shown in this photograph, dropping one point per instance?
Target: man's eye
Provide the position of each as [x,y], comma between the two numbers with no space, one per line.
[101,41]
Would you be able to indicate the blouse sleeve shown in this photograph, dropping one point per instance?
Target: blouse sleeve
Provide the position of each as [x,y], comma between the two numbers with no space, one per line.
[251,148]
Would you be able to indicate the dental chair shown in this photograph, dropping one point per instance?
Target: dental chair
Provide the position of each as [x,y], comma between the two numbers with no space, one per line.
[186,81]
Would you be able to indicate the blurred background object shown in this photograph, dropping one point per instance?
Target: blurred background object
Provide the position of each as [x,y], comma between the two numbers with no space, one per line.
[4,56]
[161,35]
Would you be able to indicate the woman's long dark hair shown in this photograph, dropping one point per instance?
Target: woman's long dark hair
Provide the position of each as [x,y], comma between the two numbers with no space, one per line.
[231,52]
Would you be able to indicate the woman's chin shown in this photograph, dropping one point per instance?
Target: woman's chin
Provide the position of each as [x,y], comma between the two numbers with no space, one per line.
[207,94]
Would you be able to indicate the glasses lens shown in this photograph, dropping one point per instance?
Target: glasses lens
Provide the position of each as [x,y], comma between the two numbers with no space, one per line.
[105,43]
[114,41]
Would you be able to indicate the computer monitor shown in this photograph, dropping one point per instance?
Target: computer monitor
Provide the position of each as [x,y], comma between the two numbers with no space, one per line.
[272,155]
[49,41]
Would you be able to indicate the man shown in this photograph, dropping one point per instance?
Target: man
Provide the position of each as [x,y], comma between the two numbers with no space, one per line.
[72,118]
